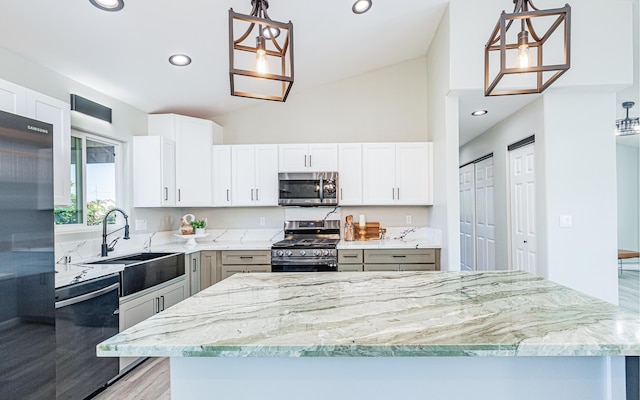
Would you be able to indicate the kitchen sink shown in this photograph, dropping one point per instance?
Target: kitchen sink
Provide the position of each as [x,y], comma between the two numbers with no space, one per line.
[132,258]
[145,270]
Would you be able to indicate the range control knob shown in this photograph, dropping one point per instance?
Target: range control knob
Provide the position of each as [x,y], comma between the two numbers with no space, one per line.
[316,252]
[325,252]
[288,253]
[279,253]
[302,252]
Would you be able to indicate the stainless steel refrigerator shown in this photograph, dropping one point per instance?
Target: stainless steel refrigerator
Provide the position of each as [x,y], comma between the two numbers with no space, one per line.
[27,313]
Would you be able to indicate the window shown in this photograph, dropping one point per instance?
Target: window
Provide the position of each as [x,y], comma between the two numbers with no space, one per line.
[94,172]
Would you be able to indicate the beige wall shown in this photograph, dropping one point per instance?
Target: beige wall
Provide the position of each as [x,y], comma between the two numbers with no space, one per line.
[386,105]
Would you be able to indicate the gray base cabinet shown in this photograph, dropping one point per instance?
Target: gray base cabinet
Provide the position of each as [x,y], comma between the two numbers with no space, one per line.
[209,268]
[140,306]
[350,260]
[402,260]
[241,261]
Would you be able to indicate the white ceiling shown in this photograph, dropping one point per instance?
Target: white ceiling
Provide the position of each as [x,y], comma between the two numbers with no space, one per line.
[125,54]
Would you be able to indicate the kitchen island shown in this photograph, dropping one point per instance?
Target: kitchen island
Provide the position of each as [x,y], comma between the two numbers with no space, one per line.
[441,335]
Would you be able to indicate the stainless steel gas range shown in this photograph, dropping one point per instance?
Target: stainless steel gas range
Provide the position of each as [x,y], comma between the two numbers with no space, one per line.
[308,246]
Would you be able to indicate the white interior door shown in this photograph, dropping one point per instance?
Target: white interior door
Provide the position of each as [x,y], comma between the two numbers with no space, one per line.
[467,205]
[523,206]
[485,216]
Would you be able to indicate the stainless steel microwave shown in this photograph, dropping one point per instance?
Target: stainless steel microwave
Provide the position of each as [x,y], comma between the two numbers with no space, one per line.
[308,189]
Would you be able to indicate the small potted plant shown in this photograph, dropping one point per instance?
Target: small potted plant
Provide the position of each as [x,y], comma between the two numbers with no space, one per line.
[199,225]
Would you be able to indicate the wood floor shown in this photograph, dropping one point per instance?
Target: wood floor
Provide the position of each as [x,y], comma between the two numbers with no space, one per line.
[150,380]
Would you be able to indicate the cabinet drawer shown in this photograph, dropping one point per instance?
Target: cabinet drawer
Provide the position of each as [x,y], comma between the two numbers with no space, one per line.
[231,257]
[258,268]
[381,267]
[400,256]
[350,268]
[350,257]
[417,267]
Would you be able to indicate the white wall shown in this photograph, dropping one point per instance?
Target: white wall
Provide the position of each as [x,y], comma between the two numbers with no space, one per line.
[525,122]
[443,128]
[387,105]
[599,35]
[628,173]
[580,180]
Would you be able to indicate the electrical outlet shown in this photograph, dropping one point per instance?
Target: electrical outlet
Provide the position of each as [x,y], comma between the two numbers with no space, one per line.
[408,219]
[262,221]
[141,224]
[566,221]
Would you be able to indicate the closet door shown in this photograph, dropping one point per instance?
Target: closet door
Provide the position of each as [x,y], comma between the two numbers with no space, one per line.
[467,217]
[485,229]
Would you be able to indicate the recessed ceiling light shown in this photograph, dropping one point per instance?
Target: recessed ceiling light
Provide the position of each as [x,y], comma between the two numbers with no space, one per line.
[108,5]
[180,60]
[478,113]
[361,6]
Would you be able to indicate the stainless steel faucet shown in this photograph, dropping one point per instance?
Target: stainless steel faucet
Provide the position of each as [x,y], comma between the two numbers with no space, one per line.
[106,248]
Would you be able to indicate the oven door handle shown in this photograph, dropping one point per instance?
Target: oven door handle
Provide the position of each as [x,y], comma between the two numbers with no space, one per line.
[87,296]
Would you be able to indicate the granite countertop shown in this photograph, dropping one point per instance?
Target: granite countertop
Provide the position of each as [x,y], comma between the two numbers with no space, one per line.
[383,314]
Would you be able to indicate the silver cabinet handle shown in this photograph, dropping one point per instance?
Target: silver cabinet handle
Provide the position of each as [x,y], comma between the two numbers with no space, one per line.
[257,197]
[194,262]
[162,297]
[305,160]
[398,193]
[341,194]
[251,194]
[88,296]
[309,160]
[393,193]
[157,305]
[179,195]
[227,194]
[166,193]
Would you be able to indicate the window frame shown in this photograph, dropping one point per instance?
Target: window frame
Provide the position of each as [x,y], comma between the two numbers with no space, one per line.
[119,184]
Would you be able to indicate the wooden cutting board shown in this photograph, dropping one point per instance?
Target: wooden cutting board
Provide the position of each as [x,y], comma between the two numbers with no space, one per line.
[372,230]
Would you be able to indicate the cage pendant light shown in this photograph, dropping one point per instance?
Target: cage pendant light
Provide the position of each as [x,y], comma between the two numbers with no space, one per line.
[260,54]
[530,57]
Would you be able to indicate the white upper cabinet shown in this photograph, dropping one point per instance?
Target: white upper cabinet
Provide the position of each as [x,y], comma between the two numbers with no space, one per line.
[350,174]
[18,100]
[397,173]
[254,175]
[308,157]
[221,175]
[154,178]
[193,138]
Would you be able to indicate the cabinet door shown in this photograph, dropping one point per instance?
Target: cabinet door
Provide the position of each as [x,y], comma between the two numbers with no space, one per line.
[378,173]
[168,176]
[228,270]
[381,267]
[258,268]
[57,113]
[221,176]
[293,157]
[137,310]
[243,175]
[350,173]
[412,173]
[323,157]
[12,98]
[193,161]
[194,273]
[208,268]
[266,175]
[171,296]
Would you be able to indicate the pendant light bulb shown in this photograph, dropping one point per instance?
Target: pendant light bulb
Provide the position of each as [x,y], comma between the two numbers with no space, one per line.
[262,66]
[523,49]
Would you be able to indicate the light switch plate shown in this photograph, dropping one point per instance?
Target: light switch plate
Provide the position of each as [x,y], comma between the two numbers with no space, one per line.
[566,221]
[262,221]
[408,219]
[141,224]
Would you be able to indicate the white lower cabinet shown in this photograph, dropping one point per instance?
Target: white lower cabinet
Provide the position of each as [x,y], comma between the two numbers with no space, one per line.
[140,306]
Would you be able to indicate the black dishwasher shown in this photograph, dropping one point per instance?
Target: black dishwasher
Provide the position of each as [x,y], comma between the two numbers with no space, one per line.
[87,313]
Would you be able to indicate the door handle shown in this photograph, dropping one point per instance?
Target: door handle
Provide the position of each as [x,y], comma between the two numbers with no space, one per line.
[227,194]
[398,193]
[305,160]
[157,305]
[309,160]
[257,197]
[251,194]
[194,262]
[525,241]
[179,195]
[162,297]
[393,193]
[166,193]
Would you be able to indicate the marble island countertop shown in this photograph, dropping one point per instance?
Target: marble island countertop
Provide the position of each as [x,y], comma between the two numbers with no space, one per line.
[384,315]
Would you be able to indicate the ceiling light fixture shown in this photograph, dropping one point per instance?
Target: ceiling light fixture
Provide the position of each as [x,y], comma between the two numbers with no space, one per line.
[261,57]
[180,60]
[628,126]
[361,6]
[479,113]
[524,66]
[108,5]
